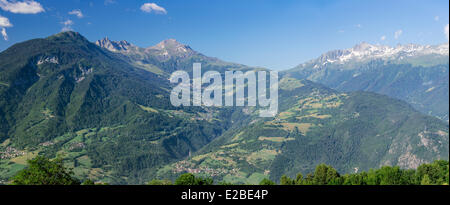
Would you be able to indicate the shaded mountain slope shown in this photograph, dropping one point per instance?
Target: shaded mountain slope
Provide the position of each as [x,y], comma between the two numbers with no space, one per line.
[64,96]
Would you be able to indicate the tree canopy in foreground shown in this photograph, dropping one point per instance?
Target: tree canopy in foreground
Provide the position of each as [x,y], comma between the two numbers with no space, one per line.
[43,171]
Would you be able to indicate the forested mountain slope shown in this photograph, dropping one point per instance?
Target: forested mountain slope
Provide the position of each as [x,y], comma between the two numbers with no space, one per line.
[416,74]
[65,96]
[350,131]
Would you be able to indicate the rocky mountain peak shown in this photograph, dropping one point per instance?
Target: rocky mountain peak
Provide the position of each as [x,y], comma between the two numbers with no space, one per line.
[171,48]
[163,51]
[168,43]
[114,46]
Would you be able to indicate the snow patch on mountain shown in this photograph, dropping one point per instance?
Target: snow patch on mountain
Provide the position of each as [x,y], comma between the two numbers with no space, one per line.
[365,52]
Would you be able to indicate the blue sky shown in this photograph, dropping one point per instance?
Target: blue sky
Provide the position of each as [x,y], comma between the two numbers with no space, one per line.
[277,34]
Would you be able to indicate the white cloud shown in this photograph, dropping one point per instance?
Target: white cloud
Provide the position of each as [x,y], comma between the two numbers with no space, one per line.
[77,12]
[152,7]
[67,25]
[358,26]
[398,33]
[4,34]
[4,22]
[22,7]
[446,31]
[436,18]
[68,22]
[383,38]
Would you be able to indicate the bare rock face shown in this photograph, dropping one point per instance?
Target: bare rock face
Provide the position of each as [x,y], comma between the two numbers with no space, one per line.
[114,46]
[171,48]
[164,50]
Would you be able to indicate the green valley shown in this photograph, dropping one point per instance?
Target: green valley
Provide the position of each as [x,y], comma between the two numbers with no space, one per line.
[104,109]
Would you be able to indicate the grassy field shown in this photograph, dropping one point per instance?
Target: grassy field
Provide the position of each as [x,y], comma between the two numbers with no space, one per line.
[22,160]
[4,84]
[275,139]
[148,109]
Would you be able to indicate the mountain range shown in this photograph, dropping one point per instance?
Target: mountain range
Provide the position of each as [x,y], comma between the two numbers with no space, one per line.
[416,74]
[104,108]
[365,52]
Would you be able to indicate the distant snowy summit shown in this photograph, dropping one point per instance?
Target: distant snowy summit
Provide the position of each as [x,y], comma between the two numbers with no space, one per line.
[365,52]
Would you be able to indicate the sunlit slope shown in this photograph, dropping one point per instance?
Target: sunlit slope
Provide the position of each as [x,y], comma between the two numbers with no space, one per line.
[350,131]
